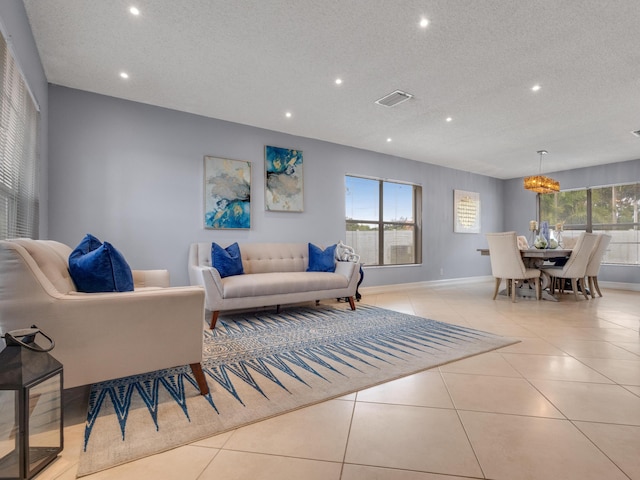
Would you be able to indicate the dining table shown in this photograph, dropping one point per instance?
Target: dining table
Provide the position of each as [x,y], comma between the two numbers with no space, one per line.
[535,258]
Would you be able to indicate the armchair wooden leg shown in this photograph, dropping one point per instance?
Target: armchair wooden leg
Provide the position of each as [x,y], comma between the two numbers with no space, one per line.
[513,290]
[214,319]
[196,368]
[536,282]
[352,303]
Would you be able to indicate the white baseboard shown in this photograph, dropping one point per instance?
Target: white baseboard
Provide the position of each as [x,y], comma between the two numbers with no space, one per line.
[634,287]
[398,287]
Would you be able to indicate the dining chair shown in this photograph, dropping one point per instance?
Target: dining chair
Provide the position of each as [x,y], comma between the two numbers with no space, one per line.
[507,264]
[576,267]
[593,267]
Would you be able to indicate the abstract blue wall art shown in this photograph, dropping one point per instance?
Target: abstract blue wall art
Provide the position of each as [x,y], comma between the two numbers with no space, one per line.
[227,193]
[284,183]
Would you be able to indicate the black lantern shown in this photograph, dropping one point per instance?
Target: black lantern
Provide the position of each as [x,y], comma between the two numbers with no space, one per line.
[30,405]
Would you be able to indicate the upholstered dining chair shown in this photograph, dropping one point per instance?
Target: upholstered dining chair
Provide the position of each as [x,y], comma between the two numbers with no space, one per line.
[576,267]
[506,262]
[593,267]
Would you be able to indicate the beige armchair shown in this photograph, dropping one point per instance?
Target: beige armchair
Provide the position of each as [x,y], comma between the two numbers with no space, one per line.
[506,263]
[100,336]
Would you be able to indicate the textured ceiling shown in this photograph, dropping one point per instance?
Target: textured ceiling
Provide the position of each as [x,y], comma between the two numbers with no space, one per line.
[250,61]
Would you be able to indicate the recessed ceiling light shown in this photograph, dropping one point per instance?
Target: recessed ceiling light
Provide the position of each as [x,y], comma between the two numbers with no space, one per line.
[134,11]
[388,139]
[338,81]
[424,22]
[288,114]
[449,119]
[124,75]
[536,87]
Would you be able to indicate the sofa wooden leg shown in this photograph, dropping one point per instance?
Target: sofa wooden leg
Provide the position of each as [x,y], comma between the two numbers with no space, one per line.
[196,368]
[277,308]
[214,319]
[352,303]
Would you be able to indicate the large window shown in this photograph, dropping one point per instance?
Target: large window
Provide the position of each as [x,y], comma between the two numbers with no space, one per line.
[18,152]
[612,209]
[382,220]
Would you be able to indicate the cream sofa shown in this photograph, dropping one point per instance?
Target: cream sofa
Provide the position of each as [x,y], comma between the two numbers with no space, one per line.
[274,274]
[100,336]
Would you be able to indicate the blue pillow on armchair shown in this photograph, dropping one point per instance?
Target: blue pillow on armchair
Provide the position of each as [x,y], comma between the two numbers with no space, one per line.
[227,261]
[322,260]
[98,267]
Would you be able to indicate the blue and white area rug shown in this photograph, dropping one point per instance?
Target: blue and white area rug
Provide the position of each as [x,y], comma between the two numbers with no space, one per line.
[263,364]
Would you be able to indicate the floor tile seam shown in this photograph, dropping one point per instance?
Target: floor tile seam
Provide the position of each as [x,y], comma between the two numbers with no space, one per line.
[611,382]
[73,466]
[432,407]
[633,360]
[485,374]
[346,443]
[409,470]
[532,353]
[609,342]
[278,455]
[583,420]
[215,455]
[464,428]
[519,415]
[637,394]
[598,372]
[595,445]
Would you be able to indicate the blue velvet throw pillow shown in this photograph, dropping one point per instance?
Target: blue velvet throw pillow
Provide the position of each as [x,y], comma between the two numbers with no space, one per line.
[322,260]
[227,261]
[98,267]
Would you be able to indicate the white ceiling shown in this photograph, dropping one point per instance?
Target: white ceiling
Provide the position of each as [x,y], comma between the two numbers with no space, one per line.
[250,61]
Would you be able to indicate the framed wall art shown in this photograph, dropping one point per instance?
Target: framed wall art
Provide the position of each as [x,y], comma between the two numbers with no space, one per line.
[227,193]
[466,212]
[284,184]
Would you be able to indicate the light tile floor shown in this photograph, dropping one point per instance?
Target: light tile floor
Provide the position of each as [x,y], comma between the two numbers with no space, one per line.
[564,404]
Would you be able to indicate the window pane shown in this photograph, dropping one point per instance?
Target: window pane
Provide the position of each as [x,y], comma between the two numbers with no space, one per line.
[362,199]
[397,202]
[613,205]
[399,244]
[363,237]
[624,248]
[569,208]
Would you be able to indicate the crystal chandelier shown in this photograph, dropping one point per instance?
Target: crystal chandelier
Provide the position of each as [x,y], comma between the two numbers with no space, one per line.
[540,183]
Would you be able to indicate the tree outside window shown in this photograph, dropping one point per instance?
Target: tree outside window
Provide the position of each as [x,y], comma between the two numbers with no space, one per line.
[612,209]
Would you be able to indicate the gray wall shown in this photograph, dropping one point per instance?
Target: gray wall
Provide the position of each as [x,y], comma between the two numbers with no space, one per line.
[131,174]
[521,204]
[17,32]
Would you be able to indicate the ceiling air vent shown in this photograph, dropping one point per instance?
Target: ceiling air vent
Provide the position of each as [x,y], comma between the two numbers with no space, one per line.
[636,133]
[394,98]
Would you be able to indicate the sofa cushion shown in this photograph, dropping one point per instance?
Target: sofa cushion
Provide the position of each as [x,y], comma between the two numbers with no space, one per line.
[322,260]
[99,267]
[228,261]
[279,283]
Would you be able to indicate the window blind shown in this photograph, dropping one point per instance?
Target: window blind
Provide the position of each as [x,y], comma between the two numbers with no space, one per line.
[19,123]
